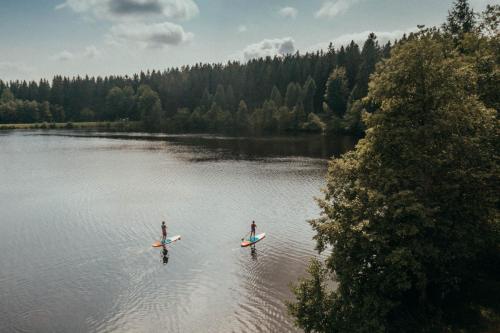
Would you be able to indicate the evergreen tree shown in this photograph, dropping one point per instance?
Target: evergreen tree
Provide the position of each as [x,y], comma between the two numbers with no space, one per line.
[351,63]
[220,96]
[276,96]
[292,96]
[308,92]
[370,56]
[461,19]
[7,96]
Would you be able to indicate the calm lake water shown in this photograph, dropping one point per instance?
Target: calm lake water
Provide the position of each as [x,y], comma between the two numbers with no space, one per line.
[79,211]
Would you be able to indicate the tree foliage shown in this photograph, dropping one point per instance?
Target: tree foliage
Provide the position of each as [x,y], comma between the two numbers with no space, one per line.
[411,216]
[296,82]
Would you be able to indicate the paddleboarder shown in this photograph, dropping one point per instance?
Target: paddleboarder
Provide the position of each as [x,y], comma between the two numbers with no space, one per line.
[253,226]
[163,231]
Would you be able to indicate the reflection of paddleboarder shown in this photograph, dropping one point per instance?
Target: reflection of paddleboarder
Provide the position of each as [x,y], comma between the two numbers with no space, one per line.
[253,226]
[165,254]
[163,231]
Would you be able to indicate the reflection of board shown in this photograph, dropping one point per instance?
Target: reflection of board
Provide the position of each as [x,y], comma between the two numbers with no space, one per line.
[167,241]
[252,240]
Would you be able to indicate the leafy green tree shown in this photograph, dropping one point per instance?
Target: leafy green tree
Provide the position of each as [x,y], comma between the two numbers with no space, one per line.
[115,104]
[337,91]
[87,114]
[283,119]
[314,123]
[196,120]
[6,96]
[412,214]
[149,106]
[129,109]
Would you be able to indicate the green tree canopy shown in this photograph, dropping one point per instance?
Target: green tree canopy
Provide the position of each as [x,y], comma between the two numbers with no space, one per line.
[411,216]
[149,106]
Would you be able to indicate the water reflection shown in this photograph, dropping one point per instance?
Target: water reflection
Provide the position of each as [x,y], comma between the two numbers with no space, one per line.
[164,254]
[112,190]
[237,147]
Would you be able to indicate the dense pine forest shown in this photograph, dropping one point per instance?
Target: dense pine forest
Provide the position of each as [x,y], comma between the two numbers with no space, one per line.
[318,92]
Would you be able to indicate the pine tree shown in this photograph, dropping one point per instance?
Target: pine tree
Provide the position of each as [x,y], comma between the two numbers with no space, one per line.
[276,96]
[292,96]
[369,58]
[308,93]
[461,19]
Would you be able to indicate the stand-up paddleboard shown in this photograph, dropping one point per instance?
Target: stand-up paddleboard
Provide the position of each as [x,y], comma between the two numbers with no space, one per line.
[167,241]
[252,240]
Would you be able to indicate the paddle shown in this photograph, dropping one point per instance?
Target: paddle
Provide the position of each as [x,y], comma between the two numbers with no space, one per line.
[245,236]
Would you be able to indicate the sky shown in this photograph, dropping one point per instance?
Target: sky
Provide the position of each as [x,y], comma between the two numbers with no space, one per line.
[42,38]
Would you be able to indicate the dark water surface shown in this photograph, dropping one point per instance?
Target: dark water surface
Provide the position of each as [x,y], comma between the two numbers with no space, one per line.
[79,211]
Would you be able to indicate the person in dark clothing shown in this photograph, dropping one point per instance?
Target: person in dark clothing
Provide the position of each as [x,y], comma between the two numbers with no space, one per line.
[253,226]
[163,231]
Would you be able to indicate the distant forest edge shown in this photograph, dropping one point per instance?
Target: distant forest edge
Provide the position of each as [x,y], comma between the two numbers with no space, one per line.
[315,92]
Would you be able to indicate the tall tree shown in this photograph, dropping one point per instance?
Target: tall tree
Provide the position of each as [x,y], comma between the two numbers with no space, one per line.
[369,58]
[276,96]
[461,19]
[308,92]
[412,214]
[149,105]
[337,91]
[293,92]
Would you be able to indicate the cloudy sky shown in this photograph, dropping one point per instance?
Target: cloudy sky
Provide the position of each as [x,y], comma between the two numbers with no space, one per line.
[40,38]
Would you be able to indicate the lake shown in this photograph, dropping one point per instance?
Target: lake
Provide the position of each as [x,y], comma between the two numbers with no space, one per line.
[80,210]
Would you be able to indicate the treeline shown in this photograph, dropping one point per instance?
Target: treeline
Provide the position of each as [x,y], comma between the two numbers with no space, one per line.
[312,92]
[409,219]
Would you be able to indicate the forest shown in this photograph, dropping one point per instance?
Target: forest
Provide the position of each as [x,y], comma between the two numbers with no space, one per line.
[314,92]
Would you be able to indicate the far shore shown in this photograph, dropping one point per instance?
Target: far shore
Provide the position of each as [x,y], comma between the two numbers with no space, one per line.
[107,125]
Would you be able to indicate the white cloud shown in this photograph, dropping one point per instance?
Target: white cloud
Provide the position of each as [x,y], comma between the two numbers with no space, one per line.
[119,10]
[360,37]
[91,52]
[268,47]
[63,56]
[149,35]
[288,12]
[331,9]
[242,28]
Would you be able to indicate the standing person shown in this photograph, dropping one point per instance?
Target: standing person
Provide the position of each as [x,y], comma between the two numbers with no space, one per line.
[253,226]
[163,231]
